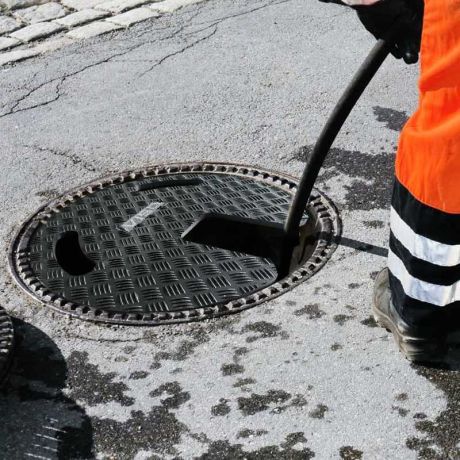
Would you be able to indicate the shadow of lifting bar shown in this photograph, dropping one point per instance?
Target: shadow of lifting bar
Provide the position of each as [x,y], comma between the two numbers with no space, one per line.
[361,246]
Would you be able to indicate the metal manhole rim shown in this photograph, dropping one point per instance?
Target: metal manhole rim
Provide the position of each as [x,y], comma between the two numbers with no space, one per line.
[6,344]
[323,207]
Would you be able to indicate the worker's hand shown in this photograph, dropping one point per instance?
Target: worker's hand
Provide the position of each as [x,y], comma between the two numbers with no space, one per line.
[379,18]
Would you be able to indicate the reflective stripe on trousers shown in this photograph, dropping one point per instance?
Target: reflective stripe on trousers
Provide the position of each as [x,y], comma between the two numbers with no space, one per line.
[424,259]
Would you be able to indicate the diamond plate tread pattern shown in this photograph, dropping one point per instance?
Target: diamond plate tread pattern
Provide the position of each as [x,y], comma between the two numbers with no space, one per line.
[144,270]
[149,269]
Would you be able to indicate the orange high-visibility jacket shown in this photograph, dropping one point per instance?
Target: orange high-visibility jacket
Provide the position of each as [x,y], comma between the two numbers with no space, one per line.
[424,256]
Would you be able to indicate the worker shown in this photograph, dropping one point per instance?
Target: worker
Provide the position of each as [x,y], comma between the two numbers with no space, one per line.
[417,297]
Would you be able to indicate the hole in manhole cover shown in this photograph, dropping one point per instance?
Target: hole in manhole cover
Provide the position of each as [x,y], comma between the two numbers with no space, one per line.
[112,251]
[6,344]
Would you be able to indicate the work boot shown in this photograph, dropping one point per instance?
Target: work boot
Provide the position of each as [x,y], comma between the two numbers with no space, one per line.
[416,345]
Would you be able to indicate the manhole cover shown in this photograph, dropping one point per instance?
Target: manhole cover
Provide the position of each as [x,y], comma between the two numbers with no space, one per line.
[6,344]
[134,267]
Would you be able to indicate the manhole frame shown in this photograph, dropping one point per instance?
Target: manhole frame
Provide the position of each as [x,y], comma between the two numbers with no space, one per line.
[6,345]
[320,204]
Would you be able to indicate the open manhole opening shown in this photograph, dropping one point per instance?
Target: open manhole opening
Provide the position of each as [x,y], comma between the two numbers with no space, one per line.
[6,344]
[113,250]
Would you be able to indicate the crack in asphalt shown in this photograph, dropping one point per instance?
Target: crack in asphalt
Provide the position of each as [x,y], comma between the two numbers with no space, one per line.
[62,79]
[58,94]
[74,158]
[99,339]
[29,93]
[214,24]
[243,13]
[182,50]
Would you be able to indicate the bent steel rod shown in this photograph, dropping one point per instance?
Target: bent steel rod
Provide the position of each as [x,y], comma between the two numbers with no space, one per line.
[335,122]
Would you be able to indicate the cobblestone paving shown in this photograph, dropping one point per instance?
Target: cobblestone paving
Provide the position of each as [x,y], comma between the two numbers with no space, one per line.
[31,27]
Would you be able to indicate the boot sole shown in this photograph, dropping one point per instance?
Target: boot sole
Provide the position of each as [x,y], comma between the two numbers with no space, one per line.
[415,349]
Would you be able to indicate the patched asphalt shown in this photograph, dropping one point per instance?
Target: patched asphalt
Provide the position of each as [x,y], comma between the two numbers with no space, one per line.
[307,375]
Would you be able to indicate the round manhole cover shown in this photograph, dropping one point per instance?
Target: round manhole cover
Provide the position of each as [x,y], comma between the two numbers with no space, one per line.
[6,344]
[112,251]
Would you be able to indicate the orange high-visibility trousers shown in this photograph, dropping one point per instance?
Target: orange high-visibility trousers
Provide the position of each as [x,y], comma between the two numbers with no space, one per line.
[424,257]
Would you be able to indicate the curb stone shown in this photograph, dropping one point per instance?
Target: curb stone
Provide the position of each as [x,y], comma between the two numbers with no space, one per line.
[133,16]
[41,13]
[35,31]
[23,22]
[8,24]
[92,30]
[8,42]
[19,55]
[118,6]
[81,17]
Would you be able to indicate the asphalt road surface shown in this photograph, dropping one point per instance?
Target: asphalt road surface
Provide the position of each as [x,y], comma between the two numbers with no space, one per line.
[306,375]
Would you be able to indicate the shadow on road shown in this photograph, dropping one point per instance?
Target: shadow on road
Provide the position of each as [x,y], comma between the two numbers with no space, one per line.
[440,437]
[363,247]
[37,420]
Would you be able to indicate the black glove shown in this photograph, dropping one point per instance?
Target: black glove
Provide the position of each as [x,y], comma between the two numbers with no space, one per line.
[382,16]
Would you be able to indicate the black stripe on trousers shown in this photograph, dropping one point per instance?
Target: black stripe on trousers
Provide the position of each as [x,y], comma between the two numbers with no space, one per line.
[423,314]
[425,220]
[423,270]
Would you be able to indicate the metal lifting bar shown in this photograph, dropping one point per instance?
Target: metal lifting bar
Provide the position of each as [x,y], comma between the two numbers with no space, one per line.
[330,131]
[285,244]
